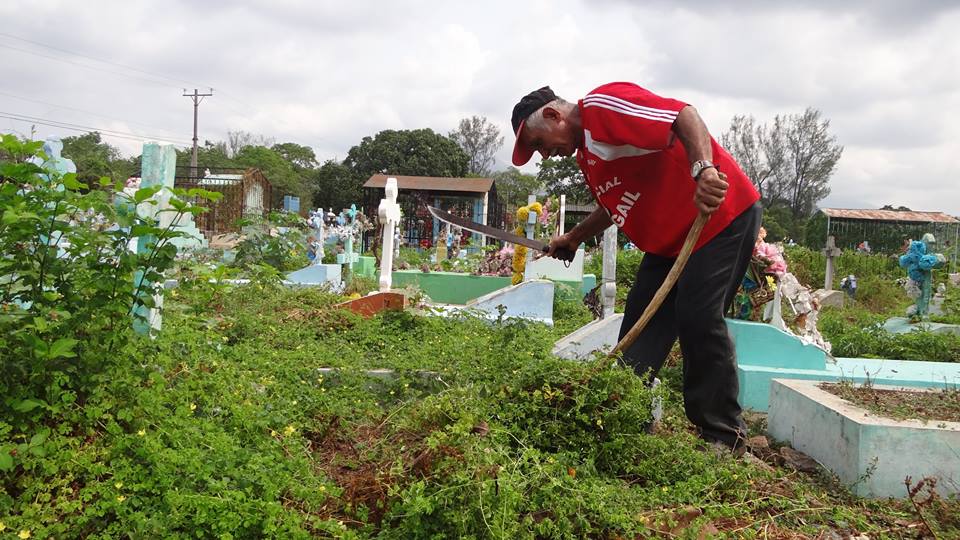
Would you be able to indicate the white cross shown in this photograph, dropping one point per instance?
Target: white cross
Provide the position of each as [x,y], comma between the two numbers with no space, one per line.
[389,212]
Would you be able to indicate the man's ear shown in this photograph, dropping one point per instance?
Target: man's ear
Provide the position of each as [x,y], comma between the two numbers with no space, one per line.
[551,114]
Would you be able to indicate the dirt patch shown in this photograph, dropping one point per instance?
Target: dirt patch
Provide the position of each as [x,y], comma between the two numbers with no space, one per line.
[941,405]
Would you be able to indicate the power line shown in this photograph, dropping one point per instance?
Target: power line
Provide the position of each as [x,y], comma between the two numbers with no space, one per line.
[95,68]
[83,111]
[88,129]
[132,68]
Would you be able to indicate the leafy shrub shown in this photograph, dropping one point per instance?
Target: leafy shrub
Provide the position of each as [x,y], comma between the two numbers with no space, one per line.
[279,241]
[71,286]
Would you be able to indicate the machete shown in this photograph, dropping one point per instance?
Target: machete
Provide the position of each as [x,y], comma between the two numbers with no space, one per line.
[560,253]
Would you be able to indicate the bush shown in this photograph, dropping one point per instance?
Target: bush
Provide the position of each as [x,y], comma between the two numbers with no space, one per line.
[71,286]
[279,241]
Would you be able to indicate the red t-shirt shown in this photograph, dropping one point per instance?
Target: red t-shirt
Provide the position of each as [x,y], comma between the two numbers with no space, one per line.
[639,172]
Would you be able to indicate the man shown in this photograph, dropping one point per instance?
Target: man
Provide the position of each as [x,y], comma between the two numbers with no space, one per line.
[652,166]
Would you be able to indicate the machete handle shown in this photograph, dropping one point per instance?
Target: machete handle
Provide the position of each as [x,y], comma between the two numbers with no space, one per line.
[562,253]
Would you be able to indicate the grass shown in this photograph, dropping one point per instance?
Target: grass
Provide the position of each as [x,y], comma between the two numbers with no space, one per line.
[223,427]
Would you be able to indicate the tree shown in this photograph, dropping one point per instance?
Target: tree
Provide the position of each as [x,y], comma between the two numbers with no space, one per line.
[480,140]
[418,152]
[211,154]
[238,140]
[759,151]
[301,157]
[95,158]
[791,162]
[812,155]
[513,186]
[281,174]
[562,176]
[335,186]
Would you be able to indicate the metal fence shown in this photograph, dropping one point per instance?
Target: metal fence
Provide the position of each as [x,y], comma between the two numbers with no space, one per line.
[246,192]
[417,227]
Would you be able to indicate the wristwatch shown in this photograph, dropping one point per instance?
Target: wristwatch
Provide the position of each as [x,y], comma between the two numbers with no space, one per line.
[699,166]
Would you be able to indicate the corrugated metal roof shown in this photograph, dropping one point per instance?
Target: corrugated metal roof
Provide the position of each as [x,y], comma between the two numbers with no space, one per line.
[890,215]
[432,183]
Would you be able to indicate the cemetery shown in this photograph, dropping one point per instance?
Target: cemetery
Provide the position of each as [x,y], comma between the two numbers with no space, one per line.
[372,371]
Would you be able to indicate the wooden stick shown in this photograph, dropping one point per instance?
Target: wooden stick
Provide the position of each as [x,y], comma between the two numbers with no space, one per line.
[664,290]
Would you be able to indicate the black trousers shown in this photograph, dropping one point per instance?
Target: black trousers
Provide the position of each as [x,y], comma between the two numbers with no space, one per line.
[693,312]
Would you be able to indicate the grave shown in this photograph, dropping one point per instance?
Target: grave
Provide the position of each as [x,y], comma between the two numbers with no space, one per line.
[531,300]
[600,334]
[871,453]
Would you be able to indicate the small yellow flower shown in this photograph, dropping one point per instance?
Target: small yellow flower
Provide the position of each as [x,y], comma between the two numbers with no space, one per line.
[118,485]
[2,526]
[193,406]
[121,498]
[141,433]
[24,533]
[523,213]
[273,433]
[289,430]
[534,207]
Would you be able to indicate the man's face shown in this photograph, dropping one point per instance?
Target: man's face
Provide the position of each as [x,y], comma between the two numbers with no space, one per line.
[558,138]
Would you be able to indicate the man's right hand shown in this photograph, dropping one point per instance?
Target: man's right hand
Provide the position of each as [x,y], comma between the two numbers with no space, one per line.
[564,241]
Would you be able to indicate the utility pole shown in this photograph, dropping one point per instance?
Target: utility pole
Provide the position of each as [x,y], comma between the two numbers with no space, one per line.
[197,98]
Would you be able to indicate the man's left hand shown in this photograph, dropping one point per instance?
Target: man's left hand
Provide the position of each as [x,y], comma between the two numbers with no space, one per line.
[711,190]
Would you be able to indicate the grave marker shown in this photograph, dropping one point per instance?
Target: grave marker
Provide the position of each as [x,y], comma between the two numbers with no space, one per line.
[608,289]
[389,212]
[831,251]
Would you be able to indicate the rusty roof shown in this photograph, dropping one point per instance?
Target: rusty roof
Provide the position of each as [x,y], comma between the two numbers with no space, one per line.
[432,183]
[890,215]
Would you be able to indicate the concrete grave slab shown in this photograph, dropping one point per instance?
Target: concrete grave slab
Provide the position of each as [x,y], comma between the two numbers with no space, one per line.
[598,335]
[531,300]
[871,453]
[317,274]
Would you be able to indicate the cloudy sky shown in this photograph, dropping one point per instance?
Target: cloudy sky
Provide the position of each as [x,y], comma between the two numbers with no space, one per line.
[325,74]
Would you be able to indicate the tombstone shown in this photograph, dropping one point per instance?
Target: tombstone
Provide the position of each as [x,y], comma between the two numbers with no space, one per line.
[389,213]
[159,165]
[316,223]
[530,226]
[291,204]
[608,289]
[55,163]
[919,262]
[58,166]
[831,251]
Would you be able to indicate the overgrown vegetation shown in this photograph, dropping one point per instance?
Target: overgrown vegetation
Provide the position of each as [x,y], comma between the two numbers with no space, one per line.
[935,405]
[225,425]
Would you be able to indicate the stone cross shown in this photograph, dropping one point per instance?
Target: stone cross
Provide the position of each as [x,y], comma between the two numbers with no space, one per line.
[389,212]
[159,164]
[608,288]
[831,251]
[919,263]
[530,226]
[58,166]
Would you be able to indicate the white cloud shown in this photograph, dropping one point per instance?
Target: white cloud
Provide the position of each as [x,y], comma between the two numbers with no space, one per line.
[326,73]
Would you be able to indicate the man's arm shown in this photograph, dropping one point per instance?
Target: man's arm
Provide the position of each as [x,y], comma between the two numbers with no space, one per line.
[711,183]
[596,223]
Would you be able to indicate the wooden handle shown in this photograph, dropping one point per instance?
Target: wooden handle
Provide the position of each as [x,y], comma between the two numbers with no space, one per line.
[664,290]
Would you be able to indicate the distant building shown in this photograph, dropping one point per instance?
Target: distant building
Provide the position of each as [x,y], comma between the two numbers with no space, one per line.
[471,198]
[246,193]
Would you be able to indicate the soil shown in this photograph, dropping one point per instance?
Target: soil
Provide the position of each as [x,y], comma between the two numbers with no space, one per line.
[942,405]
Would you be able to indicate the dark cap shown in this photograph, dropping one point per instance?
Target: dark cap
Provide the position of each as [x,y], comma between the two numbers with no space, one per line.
[524,108]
